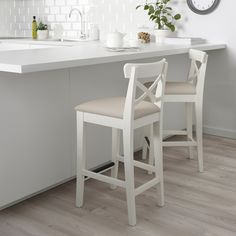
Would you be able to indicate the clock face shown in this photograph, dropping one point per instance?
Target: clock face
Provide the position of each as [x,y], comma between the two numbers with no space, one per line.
[203,6]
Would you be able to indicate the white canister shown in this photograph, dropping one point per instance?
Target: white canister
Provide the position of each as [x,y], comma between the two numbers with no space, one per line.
[94,33]
[115,39]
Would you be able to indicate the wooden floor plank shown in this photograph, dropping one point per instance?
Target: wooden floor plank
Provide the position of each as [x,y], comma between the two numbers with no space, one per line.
[196,204]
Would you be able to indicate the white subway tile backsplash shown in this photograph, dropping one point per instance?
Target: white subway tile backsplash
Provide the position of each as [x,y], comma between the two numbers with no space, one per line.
[16,15]
[55,10]
[51,18]
[61,18]
[60,2]
[49,2]
[65,10]
[71,2]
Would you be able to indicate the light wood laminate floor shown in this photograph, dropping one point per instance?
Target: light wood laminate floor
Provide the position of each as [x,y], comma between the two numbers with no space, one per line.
[196,204]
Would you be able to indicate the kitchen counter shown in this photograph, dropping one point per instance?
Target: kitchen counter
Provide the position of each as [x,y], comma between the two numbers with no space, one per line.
[37,116]
[68,55]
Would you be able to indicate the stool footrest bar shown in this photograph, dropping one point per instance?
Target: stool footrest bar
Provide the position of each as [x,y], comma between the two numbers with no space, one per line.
[103,178]
[146,186]
[140,165]
[101,168]
[180,144]
[175,132]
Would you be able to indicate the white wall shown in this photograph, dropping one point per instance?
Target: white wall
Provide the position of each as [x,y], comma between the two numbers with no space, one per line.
[220,111]
[220,90]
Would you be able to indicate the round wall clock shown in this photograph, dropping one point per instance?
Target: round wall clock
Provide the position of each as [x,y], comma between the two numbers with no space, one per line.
[203,6]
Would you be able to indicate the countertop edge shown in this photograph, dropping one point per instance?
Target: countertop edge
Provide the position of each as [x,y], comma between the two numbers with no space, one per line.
[56,65]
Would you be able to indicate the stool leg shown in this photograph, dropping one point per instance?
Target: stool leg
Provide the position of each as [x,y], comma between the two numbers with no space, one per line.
[115,152]
[189,118]
[129,173]
[144,149]
[158,155]
[198,108]
[151,151]
[80,159]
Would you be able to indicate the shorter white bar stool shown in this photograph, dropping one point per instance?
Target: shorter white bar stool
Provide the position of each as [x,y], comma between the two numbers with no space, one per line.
[189,92]
[125,115]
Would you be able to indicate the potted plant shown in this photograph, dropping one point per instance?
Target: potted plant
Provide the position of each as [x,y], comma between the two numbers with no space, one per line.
[162,15]
[42,31]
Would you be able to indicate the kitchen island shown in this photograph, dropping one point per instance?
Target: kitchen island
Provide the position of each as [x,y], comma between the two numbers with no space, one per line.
[68,55]
[39,89]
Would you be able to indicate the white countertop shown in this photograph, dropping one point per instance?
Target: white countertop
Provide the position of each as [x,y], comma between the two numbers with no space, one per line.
[84,53]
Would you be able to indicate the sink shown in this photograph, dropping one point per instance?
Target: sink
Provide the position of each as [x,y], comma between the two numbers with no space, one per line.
[5,46]
[11,37]
[69,40]
[47,40]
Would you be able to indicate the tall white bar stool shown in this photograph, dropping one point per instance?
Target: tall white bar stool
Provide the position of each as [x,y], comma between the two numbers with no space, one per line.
[126,115]
[190,93]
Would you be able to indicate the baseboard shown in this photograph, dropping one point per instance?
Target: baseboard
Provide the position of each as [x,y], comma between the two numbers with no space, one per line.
[227,133]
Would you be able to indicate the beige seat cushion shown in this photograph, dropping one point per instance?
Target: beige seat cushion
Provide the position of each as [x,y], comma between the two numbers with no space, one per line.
[179,88]
[114,107]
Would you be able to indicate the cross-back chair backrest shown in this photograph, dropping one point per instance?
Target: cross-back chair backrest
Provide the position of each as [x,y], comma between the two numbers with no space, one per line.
[197,70]
[135,73]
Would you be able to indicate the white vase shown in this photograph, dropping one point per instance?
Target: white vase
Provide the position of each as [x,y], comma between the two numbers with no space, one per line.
[161,35]
[42,34]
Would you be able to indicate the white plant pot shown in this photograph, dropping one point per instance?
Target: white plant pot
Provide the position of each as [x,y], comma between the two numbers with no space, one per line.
[161,35]
[42,34]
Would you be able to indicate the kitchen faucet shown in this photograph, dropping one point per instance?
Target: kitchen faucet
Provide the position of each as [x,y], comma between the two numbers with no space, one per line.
[82,29]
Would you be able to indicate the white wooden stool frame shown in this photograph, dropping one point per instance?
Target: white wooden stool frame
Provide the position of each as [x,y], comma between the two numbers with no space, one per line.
[127,125]
[196,77]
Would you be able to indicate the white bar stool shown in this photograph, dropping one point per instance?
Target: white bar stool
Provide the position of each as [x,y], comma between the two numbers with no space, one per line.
[191,93]
[126,115]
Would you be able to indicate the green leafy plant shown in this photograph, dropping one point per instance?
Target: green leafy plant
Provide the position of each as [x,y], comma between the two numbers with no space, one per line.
[42,26]
[161,13]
